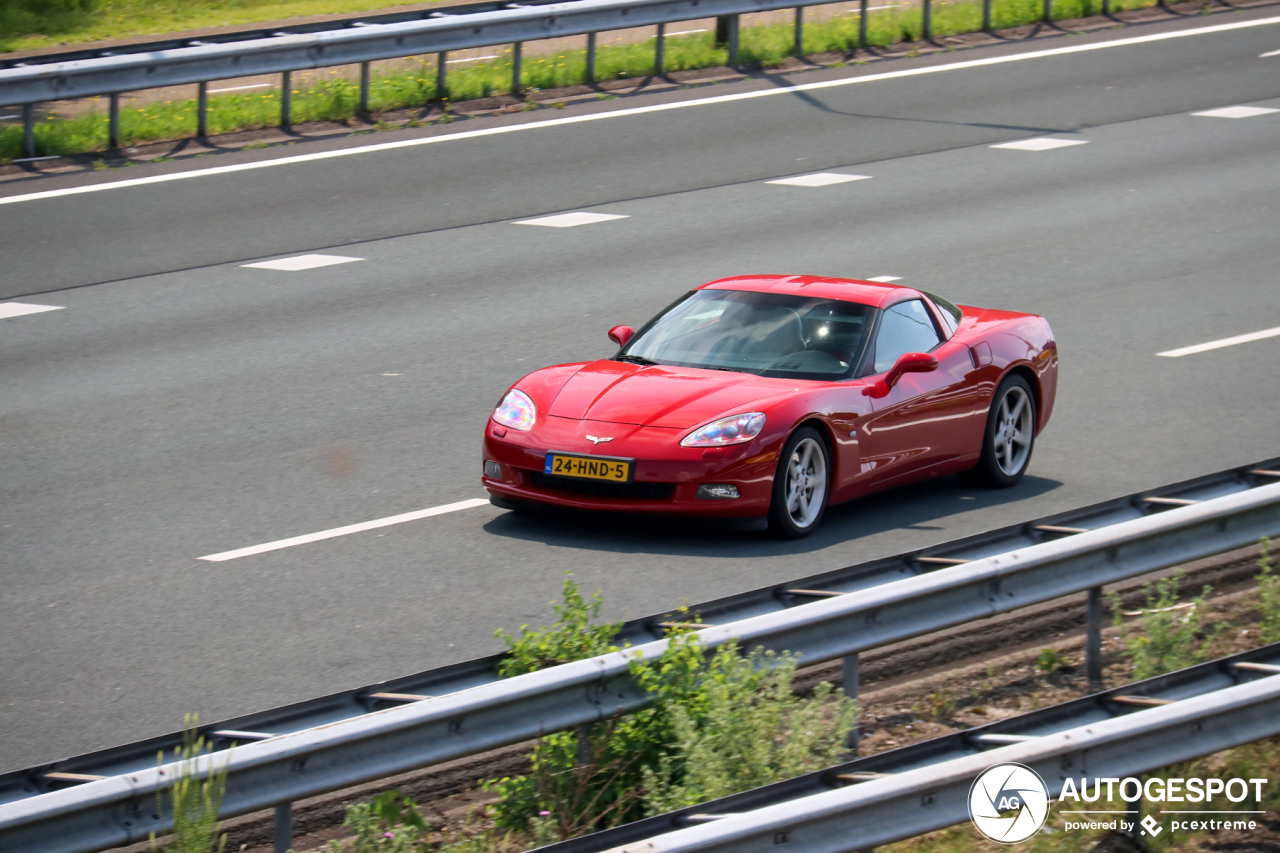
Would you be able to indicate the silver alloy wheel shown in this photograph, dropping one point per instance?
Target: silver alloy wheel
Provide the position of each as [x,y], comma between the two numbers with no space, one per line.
[1014,431]
[806,482]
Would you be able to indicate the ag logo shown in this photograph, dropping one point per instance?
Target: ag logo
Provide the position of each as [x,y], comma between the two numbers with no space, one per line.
[1008,803]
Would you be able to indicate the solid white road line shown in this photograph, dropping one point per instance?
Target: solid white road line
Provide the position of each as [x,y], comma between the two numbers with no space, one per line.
[1236,112]
[19,309]
[1225,342]
[635,111]
[343,531]
[688,32]
[821,179]
[1041,143]
[239,88]
[468,59]
[570,220]
[302,262]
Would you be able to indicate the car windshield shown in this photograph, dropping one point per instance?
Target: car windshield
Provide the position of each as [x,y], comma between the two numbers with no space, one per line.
[770,334]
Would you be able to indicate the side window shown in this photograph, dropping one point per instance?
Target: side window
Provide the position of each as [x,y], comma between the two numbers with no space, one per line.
[905,327]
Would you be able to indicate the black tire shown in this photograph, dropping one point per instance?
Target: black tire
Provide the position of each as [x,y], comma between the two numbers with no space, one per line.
[1004,458]
[796,522]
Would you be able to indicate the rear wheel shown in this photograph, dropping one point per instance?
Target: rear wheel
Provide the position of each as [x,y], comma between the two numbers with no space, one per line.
[1009,437]
[800,485]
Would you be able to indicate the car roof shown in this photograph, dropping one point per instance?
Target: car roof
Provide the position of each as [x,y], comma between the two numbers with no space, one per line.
[875,293]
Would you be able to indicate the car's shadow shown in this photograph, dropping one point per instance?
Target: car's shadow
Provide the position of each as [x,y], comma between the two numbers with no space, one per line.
[911,506]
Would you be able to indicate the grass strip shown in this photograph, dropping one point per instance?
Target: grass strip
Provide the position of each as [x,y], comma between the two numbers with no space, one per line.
[33,24]
[337,99]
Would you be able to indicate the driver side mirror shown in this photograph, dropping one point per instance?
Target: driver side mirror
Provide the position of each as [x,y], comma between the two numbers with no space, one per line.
[621,334]
[908,362]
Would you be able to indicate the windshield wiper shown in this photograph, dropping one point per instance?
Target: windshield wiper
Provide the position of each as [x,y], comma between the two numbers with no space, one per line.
[634,359]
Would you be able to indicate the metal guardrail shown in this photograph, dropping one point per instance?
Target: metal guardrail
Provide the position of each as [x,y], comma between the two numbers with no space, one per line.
[76,74]
[26,84]
[324,710]
[930,797]
[1120,702]
[282,768]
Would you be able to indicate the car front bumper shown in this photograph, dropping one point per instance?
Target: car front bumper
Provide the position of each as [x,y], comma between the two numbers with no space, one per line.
[665,477]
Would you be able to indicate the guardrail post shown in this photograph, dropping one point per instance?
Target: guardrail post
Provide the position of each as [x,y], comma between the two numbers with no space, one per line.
[442,85]
[727,35]
[286,99]
[584,745]
[926,24]
[799,31]
[849,669]
[591,57]
[1048,11]
[658,50]
[28,130]
[1093,638]
[515,68]
[202,110]
[364,89]
[986,15]
[113,121]
[282,838]
[862,24]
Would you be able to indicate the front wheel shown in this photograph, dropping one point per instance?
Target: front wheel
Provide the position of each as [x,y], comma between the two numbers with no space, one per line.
[800,486]
[1009,437]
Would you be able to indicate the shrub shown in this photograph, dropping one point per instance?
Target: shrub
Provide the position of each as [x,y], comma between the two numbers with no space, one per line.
[718,723]
[574,636]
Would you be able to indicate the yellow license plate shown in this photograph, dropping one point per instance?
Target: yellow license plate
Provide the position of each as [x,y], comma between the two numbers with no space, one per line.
[588,467]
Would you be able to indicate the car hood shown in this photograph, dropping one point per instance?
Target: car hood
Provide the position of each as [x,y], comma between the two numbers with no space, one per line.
[658,395]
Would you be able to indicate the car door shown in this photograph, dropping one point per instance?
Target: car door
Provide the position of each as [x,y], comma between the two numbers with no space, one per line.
[926,418]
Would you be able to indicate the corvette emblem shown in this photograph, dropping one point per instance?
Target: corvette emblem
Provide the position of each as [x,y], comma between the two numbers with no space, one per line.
[594,440]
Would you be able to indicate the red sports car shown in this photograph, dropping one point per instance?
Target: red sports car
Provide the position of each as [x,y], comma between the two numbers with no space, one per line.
[776,395]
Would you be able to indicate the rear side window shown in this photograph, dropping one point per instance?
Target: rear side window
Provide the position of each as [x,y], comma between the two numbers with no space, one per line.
[904,328]
[951,314]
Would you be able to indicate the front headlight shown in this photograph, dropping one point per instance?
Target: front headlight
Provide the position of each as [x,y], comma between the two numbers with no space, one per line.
[733,430]
[516,411]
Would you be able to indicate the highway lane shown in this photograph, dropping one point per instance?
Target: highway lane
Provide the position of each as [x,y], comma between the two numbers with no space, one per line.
[158,419]
[184,225]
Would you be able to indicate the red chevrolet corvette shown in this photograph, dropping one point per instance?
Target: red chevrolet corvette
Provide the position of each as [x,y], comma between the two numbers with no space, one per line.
[776,395]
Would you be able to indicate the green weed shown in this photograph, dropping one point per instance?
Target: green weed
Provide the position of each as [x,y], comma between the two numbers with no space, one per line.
[1268,596]
[1172,637]
[193,800]
[1049,660]
[391,823]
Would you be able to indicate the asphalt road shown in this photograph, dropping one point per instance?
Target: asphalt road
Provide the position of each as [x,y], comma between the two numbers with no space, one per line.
[181,405]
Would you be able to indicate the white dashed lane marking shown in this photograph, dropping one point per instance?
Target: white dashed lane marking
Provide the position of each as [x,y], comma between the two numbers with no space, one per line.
[1042,143]
[19,309]
[344,531]
[886,278]
[1236,112]
[1272,53]
[302,262]
[821,179]
[1225,342]
[570,220]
